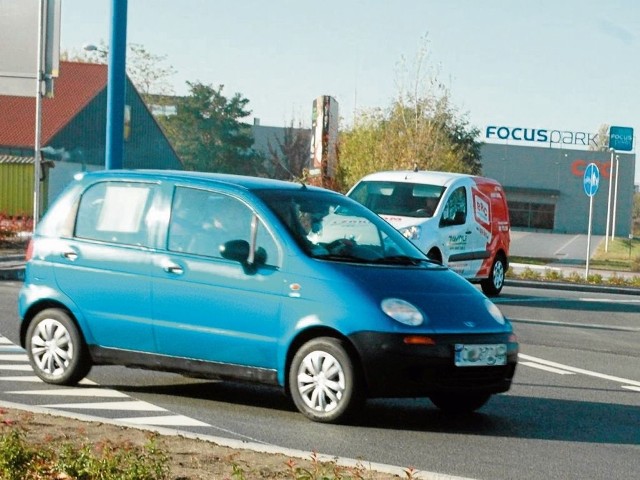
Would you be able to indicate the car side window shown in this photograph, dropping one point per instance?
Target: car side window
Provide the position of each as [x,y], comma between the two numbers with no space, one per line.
[455,210]
[115,212]
[202,221]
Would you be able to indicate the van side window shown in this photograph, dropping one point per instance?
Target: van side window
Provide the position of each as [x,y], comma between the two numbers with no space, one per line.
[115,212]
[455,210]
[202,221]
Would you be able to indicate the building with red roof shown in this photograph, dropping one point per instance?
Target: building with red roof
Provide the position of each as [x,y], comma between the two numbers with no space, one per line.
[73,134]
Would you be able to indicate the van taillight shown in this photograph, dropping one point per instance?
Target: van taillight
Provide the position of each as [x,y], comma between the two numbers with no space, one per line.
[29,253]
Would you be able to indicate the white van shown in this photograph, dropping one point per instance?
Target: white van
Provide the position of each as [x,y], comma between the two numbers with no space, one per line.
[459,220]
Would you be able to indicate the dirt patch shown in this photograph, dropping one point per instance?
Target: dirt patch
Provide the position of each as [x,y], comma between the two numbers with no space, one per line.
[189,459]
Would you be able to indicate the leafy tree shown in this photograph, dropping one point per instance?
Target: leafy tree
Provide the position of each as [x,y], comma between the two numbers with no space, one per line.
[602,141]
[147,71]
[421,129]
[207,133]
[290,156]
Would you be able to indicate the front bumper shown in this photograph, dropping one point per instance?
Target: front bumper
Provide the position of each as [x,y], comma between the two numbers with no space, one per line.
[393,368]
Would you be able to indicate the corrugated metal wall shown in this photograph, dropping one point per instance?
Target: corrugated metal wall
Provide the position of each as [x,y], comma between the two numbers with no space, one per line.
[16,189]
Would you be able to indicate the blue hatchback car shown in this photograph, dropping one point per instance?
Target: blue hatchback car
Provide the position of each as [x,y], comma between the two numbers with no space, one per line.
[250,279]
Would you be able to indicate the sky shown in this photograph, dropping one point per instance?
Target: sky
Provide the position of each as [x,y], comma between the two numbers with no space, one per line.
[569,65]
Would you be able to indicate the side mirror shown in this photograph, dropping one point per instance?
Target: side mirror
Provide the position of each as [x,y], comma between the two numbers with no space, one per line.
[238,251]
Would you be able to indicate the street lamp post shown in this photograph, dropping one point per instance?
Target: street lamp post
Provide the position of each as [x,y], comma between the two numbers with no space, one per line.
[615,199]
[606,238]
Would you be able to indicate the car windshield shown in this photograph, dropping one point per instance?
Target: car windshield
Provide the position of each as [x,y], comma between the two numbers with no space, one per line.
[399,198]
[333,227]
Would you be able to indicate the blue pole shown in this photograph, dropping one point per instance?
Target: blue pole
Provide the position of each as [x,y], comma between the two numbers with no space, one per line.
[116,86]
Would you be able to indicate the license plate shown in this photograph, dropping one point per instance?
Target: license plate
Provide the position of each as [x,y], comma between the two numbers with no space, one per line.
[480,355]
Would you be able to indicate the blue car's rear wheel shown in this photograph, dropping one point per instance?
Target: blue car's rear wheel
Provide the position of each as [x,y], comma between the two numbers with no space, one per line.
[56,349]
[323,381]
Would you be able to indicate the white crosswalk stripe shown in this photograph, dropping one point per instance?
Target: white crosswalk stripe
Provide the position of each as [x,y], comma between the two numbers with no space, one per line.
[166,421]
[13,359]
[129,405]
[73,392]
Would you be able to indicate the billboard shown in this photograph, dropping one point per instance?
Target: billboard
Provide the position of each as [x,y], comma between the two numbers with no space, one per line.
[621,138]
[20,32]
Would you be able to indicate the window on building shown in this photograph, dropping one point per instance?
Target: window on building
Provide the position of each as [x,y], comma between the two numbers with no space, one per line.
[532,215]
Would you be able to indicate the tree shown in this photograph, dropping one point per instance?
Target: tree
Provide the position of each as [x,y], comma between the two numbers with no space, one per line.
[421,129]
[288,159]
[602,140]
[207,133]
[147,71]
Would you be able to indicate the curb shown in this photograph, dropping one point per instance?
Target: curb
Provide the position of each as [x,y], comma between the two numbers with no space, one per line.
[576,287]
[238,444]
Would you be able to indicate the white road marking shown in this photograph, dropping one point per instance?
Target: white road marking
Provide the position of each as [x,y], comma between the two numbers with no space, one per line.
[11,348]
[589,373]
[22,378]
[599,326]
[130,405]
[74,392]
[5,341]
[629,387]
[14,357]
[611,300]
[546,368]
[168,420]
[569,242]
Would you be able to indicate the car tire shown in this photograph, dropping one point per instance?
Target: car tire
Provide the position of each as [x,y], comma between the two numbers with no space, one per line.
[56,350]
[492,286]
[323,381]
[459,402]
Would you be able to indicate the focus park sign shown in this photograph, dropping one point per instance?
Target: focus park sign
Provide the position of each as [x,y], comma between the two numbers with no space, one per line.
[620,138]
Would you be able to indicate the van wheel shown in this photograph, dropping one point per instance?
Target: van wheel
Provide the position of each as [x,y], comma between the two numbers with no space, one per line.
[492,286]
[323,381]
[56,349]
[459,402]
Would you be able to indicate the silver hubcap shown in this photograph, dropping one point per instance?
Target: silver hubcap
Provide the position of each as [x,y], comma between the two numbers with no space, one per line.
[321,381]
[498,274]
[51,347]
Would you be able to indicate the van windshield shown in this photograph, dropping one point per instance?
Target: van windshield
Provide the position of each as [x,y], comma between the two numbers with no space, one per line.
[399,198]
[332,227]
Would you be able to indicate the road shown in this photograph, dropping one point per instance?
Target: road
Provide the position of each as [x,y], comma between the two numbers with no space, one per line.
[573,411]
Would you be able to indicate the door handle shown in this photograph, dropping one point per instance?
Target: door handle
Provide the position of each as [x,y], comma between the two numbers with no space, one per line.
[174,268]
[70,255]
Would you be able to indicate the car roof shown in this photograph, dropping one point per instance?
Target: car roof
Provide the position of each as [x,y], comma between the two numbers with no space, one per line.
[420,176]
[200,178]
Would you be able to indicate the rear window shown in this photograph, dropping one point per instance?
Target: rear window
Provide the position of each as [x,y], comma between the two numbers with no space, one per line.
[115,212]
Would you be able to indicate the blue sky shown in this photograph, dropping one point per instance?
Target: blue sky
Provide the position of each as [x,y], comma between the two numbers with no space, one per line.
[555,64]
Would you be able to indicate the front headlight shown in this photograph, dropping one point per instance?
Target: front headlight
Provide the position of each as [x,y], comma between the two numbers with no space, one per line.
[402,311]
[494,311]
[412,233]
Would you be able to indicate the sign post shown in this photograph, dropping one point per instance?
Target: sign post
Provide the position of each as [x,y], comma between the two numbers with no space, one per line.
[591,182]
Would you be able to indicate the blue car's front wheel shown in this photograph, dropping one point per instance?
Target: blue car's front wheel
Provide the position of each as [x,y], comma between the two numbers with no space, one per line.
[323,381]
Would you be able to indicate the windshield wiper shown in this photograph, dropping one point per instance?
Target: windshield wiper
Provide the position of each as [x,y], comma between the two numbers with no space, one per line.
[404,260]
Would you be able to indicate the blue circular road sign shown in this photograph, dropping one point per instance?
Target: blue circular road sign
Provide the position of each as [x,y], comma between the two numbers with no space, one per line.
[591,180]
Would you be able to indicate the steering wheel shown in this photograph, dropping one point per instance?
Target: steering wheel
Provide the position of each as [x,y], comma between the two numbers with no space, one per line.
[340,245]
